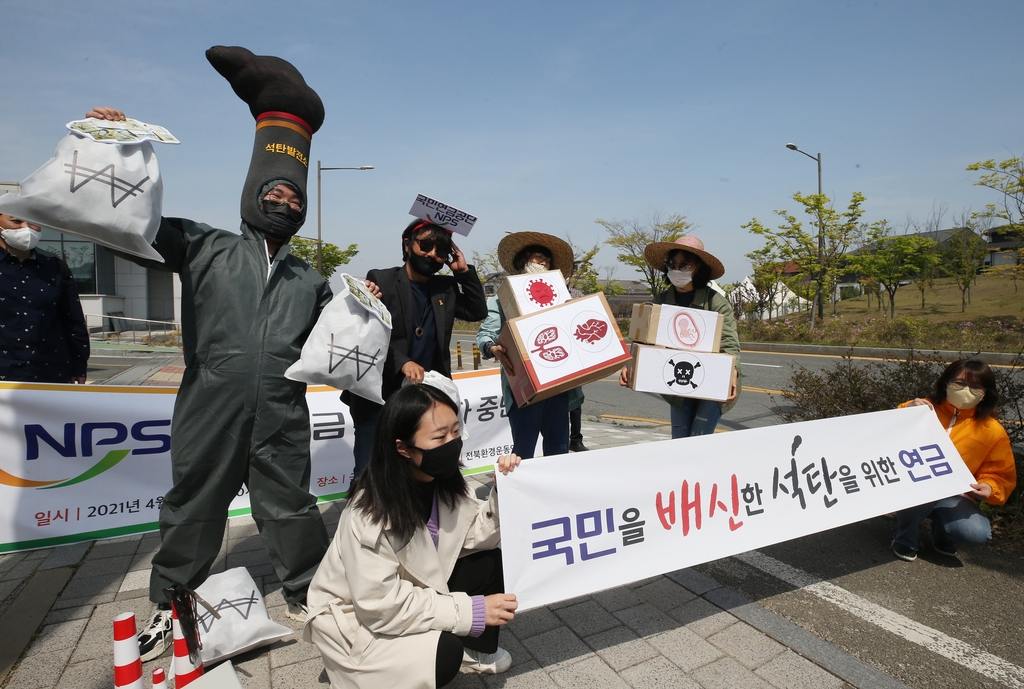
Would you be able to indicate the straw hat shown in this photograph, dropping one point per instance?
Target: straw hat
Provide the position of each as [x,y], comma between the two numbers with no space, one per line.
[656,254]
[514,242]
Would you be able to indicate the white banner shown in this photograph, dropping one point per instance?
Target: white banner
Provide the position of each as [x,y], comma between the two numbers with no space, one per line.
[83,462]
[575,524]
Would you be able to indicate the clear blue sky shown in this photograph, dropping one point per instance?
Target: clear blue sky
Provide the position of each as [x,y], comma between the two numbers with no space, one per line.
[545,116]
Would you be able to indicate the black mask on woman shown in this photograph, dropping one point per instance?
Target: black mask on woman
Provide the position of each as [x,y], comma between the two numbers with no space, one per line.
[442,461]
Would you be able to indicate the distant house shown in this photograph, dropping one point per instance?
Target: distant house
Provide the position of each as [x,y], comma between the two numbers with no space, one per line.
[1003,244]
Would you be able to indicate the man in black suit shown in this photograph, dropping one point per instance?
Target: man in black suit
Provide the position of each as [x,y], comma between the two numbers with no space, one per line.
[423,309]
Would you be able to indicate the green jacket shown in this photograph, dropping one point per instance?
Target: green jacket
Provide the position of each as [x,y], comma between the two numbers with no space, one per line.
[707,299]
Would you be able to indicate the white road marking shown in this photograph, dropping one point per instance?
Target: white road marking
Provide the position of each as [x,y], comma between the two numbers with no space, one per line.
[960,652]
[745,364]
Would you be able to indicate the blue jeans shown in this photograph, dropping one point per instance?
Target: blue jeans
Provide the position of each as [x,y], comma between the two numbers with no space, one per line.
[549,417]
[695,417]
[955,519]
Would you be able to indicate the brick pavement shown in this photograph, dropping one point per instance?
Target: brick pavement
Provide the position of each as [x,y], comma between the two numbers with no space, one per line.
[681,629]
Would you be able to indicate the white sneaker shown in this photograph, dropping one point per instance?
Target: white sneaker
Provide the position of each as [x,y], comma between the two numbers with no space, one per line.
[297,612]
[487,663]
[157,635]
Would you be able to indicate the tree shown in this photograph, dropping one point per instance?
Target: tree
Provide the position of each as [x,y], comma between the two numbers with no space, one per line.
[486,264]
[1007,178]
[631,237]
[767,278]
[839,231]
[894,260]
[963,257]
[928,228]
[332,255]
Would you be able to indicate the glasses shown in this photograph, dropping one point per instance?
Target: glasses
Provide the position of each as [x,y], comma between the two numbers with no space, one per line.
[682,264]
[429,244]
[960,385]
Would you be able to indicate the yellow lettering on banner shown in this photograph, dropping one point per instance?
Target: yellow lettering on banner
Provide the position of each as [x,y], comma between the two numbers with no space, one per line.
[289,151]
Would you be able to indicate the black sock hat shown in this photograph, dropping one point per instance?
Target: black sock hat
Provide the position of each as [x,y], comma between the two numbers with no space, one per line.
[287,113]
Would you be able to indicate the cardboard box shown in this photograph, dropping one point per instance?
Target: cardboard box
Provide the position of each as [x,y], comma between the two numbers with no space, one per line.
[676,327]
[562,348]
[521,295]
[702,375]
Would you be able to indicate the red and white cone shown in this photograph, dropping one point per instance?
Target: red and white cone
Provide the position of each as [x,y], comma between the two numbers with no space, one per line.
[184,671]
[127,663]
[159,681]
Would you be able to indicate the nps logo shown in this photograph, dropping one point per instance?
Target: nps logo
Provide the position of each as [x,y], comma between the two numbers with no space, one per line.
[88,437]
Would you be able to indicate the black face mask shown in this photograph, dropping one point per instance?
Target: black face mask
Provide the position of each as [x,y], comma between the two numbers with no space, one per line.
[443,461]
[282,211]
[424,265]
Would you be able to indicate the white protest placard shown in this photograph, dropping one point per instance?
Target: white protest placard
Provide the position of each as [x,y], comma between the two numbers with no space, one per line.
[83,462]
[448,217]
[579,523]
[521,295]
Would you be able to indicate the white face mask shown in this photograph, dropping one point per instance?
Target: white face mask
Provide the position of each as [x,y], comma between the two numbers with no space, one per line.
[22,238]
[534,268]
[963,399]
[680,278]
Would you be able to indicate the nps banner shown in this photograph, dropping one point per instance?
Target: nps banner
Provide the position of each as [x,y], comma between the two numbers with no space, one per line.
[82,462]
[639,511]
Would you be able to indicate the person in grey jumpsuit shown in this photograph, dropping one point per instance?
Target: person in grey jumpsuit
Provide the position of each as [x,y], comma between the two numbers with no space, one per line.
[247,308]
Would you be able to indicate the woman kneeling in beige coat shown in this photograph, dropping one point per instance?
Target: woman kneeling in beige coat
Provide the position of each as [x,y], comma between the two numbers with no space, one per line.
[411,588]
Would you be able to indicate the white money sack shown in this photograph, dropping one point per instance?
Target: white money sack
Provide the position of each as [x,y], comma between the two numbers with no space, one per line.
[348,345]
[110,194]
[243,623]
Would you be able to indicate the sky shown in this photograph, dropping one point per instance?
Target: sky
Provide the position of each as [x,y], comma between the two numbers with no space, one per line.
[546,116]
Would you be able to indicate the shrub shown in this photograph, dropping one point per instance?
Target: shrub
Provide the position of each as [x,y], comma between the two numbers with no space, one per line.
[856,388]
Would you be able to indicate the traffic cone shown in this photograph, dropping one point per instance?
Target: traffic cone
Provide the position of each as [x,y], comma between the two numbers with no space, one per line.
[127,663]
[159,682]
[184,670]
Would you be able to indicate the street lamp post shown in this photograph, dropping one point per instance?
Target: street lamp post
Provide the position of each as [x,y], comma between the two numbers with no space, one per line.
[319,213]
[818,296]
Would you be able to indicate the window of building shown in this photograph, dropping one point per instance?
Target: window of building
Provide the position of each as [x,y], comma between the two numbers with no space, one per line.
[91,265]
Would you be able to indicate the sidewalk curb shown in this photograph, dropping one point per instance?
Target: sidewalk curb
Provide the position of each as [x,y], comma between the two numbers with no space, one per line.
[875,352]
[821,652]
[141,372]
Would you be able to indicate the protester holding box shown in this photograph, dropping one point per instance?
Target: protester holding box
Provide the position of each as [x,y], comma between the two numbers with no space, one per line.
[411,588]
[965,401]
[519,253]
[690,269]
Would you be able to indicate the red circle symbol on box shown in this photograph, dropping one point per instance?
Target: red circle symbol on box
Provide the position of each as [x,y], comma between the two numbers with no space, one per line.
[541,292]
[684,330]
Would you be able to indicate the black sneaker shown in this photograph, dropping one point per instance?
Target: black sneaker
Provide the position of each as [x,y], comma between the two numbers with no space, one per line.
[945,548]
[577,446]
[157,636]
[904,552]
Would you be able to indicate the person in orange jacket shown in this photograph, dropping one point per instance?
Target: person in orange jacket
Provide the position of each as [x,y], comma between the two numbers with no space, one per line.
[965,400]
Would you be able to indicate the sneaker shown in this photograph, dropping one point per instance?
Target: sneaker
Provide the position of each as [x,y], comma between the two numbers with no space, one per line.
[297,612]
[487,663]
[945,548]
[904,552]
[157,636]
[578,446]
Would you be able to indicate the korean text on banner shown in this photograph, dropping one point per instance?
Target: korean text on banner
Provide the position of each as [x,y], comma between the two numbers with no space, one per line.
[674,508]
[448,217]
[85,462]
